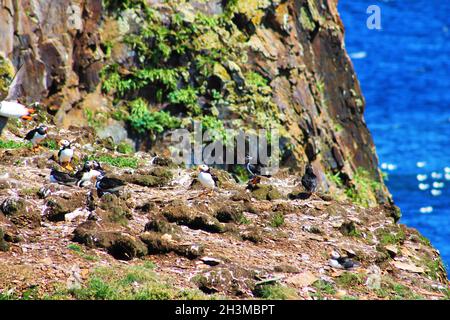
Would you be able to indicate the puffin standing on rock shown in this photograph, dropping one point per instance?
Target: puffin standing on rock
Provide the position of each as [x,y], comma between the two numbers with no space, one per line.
[65,154]
[309,179]
[206,178]
[36,136]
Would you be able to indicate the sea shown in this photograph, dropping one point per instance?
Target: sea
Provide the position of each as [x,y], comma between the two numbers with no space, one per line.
[404,71]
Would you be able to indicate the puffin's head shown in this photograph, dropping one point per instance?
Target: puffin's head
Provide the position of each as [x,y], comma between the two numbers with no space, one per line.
[65,144]
[203,168]
[42,129]
[88,165]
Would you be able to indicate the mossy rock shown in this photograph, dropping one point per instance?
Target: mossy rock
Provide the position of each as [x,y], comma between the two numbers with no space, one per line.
[156,177]
[6,75]
[4,246]
[58,207]
[21,213]
[252,234]
[158,244]
[126,247]
[190,217]
[161,225]
[114,209]
[266,192]
[232,212]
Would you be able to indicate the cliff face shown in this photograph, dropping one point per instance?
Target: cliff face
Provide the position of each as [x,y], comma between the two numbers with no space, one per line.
[249,64]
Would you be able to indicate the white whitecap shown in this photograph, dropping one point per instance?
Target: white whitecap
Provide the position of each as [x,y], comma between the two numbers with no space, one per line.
[421,164]
[447,170]
[438,185]
[436,193]
[428,209]
[391,167]
[424,186]
[384,166]
[436,175]
[358,55]
[447,176]
[422,177]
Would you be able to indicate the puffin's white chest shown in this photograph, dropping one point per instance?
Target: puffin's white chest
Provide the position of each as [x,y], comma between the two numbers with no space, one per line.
[88,176]
[11,109]
[206,180]
[66,155]
[37,138]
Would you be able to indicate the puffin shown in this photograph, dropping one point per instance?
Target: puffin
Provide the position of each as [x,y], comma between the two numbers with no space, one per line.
[13,109]
[254,169]
[309,179]
[63,178]
[339,262]
[108,185]
[89,173]
[206,178]
[36,136]
[65,154]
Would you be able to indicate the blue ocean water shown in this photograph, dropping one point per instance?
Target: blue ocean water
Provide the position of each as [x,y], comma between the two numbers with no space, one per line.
[404,70]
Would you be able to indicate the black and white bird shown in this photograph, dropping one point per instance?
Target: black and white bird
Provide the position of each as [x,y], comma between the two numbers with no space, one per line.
[13,109]
[89,173]
[108,185]
[36,136]
[63,178]
[339,262]
[206,178]
[255,168]
[309,179]
[65,154]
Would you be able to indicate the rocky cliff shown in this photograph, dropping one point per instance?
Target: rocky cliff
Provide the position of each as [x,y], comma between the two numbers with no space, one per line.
[116,77]
[229,64]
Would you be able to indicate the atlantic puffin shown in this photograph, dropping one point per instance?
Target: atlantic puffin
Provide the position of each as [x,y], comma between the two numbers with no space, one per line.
[309,179]
[63,178]
[65,154]
[88,174]
[339,262]
[13,109]
[36,136]
[206,178]
[108,185]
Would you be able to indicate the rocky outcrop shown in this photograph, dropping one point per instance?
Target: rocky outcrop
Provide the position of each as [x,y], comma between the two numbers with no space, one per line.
[284,63]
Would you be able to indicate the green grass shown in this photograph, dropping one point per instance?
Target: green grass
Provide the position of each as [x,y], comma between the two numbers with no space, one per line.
[79,251]
[348,279]
[277,220]
[119,162]
[50,144]
[323,288]
[275,292]
[125,148]
[364,189]
[10,144]
[130,283]
[396,291]
[386,236]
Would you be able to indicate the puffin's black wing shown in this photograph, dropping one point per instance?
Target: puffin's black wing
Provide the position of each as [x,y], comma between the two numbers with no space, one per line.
[63,177]
[30,134]
[254,169]
[110,183]
[215,178]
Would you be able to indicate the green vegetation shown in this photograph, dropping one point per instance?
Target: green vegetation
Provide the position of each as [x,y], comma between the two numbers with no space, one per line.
[6,75]
[386,236]
[79,251]
[323,288]
[191,63]
[275,292]
[130,283]
[124,148]
[396,291]
[120,162]
[277,220]
[142,120]
[348,279]
[10,144]
[364,189]
[50,144]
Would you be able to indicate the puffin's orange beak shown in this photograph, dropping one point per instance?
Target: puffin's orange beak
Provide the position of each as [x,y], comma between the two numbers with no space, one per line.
[26,118]
[31,111]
